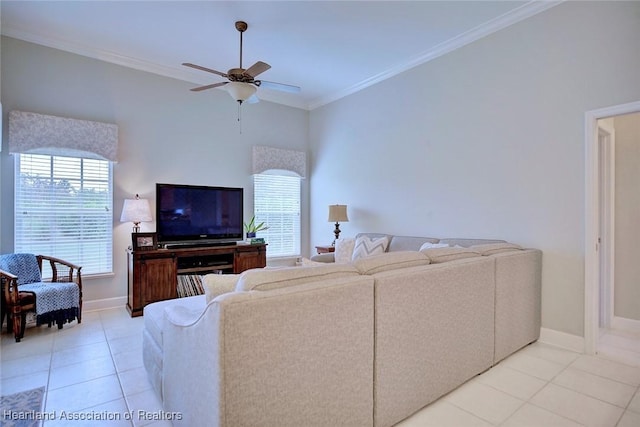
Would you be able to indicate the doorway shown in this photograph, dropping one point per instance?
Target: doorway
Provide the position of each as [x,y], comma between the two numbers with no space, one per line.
[602,326]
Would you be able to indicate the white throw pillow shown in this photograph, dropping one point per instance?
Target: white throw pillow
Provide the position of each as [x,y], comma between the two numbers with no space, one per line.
[344,250]
[429,245]
[218,284]
[366,246]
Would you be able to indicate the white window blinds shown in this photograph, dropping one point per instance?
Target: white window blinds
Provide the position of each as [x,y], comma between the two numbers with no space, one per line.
[277,203]
[63,208]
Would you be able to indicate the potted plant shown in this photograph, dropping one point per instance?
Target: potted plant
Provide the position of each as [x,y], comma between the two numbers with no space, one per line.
[252,228]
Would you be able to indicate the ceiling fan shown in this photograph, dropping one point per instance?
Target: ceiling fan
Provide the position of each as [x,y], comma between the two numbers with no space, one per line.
[242,84]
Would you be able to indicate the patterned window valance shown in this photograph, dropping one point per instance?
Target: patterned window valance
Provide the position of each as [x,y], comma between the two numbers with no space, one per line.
[268,158]
[41,134]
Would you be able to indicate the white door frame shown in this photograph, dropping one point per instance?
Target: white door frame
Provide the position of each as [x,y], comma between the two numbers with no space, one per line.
[606,201]
[592,220]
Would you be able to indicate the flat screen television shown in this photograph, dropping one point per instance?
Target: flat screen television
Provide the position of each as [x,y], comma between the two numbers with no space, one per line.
[198,214]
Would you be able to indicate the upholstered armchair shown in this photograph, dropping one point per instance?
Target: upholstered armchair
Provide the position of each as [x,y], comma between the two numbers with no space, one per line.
[57,301]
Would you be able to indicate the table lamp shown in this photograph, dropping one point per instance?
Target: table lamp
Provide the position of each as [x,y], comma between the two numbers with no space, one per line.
[337,214]
[136,210]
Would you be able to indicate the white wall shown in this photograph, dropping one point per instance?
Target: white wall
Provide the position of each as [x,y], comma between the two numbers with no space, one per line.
[487,141]
[627,217]
[167,134]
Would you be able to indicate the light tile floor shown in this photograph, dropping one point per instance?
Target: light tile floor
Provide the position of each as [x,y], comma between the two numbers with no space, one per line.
[91,369]
[620,345]
[545,386]
[96,368]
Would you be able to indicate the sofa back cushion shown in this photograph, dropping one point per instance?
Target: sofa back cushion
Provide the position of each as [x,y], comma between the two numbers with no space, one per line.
[430,245]
[495,248]
[438,255]
[390,261]
[218,284]
[268,279]
[409,243]
[465,243]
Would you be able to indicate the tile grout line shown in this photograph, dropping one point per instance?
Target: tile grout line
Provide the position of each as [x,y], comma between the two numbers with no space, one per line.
[570,365]
[551,381]
[487,385]
[529,401]
[46,390]
[115,366]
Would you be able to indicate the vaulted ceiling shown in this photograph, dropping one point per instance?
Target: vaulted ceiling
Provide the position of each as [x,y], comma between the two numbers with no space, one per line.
[328,48]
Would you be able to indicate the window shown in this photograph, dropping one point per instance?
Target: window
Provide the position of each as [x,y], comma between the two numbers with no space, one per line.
[277,203]
[63,208]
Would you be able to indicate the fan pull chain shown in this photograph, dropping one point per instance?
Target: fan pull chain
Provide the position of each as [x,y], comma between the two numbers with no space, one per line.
[240,116]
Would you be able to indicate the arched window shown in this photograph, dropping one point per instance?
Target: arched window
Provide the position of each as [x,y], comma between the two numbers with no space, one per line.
[276,197]
[64,188]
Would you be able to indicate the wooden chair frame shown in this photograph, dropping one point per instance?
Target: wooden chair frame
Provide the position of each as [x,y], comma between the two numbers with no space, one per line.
[11,300]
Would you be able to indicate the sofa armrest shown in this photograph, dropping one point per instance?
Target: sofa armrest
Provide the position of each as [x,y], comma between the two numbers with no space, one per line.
[329,257]
[181,316]
[192,343]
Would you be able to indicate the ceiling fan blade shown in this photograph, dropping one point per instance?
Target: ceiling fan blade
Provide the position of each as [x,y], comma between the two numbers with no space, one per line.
[257,68]
[278,86]
[211,86]
[201,68]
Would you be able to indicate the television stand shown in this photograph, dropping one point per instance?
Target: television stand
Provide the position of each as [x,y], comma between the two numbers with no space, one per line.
[153,274]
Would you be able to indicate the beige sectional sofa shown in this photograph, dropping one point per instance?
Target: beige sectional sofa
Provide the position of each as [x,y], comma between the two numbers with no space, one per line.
[362,344]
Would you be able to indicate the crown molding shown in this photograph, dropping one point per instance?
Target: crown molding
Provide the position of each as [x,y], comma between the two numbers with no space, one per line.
[514,16]
[84,50]
[507,19]
[179,73]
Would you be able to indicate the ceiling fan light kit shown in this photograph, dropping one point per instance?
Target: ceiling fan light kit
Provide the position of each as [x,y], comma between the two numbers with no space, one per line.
[240,91]
[242,84]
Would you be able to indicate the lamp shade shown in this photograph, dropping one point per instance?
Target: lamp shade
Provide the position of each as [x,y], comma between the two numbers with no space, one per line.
[338,213]
[240,91]
[135,210]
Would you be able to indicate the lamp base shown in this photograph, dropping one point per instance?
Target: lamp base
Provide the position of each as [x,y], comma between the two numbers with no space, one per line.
[337,233]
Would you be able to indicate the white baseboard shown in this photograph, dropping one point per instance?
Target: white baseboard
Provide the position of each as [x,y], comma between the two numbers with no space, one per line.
[104,304]
[625,324]
[562,339]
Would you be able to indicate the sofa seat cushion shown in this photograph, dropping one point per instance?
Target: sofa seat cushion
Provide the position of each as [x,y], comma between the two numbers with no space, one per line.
[439,255]
[390,261]
[154,320]
[218,284]
[368,246]
[268,279]
[496,248]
